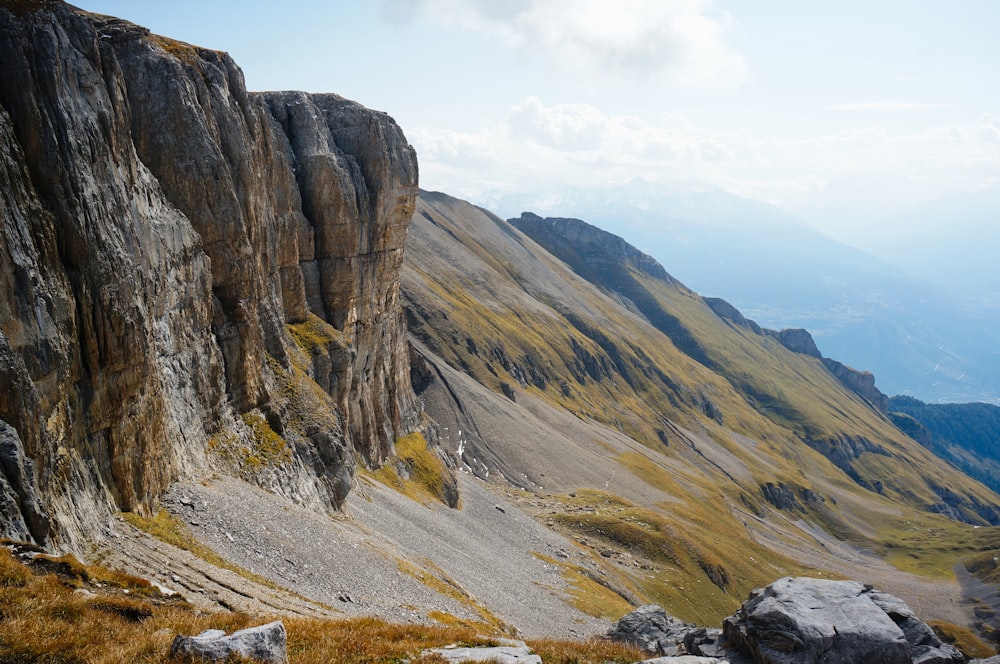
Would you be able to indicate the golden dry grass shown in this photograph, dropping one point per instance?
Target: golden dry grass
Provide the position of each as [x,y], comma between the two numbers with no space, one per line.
[67,612]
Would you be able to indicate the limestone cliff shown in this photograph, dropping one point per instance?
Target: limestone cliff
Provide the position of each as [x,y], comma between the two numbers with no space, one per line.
[181,264]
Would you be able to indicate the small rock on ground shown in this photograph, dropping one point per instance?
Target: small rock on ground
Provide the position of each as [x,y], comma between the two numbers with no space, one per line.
[266,643]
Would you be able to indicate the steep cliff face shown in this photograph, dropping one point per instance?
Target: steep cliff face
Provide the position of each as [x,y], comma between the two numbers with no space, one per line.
[181,263]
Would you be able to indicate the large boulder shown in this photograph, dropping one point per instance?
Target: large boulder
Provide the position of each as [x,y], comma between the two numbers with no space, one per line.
[804,620]
[266,643]
[513,652]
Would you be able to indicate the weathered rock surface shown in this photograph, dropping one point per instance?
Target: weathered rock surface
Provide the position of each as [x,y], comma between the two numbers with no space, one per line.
[179,260]
[650,628]
[21,515]
[805,620]
[862,382]
[727,311]
[266,643]
[798,340]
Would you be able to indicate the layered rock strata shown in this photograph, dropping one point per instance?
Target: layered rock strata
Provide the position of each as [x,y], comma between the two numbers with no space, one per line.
[181,263]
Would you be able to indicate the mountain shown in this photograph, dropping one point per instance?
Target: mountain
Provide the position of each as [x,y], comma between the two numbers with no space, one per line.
[555,356]
[915,334]
[244,358]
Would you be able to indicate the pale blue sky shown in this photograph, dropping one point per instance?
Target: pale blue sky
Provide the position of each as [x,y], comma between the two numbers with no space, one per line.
[840,112]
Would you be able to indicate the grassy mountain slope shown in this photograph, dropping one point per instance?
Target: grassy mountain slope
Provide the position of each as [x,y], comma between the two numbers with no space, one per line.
[638,420]
[792,389]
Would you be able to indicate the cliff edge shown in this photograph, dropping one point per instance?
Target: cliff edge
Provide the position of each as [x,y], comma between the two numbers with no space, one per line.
[192,277]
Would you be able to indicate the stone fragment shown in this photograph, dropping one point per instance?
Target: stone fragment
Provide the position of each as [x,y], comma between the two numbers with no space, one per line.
[684,659]
[650,628]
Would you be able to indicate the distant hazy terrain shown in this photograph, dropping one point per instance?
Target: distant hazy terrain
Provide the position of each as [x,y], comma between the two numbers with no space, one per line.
[915,334]
[966,434]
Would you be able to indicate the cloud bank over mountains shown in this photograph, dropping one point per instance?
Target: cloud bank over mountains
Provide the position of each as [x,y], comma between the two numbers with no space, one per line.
[682,42]
[540,144]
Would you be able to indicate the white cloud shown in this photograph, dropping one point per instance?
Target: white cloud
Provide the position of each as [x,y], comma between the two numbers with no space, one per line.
[891,105]
[539,145]
[682,41]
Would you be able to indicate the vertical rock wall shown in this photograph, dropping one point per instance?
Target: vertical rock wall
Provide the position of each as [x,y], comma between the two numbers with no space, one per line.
[160,231]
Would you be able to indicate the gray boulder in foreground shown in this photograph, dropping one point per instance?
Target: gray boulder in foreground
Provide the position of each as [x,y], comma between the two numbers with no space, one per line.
[266,643]
[805,620]
[684,659]
[514,653]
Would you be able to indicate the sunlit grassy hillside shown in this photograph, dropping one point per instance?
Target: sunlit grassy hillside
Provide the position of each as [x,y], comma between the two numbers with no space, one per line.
[736,428]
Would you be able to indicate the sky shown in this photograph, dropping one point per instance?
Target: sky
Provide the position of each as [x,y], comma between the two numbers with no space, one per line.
[844,113]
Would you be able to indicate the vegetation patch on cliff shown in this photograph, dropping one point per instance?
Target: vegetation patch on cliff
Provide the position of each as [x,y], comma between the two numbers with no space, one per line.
[314,334]
[418,472]
[249,455]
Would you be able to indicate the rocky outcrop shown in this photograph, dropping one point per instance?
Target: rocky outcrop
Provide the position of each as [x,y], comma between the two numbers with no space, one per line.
[861,382]
[804,620]
[726,311]
[798,340]
[178,259]
[513,652]
[790,498]
[651,629]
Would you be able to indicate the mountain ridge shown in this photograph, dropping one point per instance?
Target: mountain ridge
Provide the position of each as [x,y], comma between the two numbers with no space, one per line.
[920,338]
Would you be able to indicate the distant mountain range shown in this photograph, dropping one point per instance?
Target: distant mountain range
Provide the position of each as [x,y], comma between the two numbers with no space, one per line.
[966,434]
[914,334]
